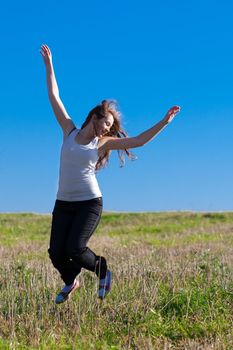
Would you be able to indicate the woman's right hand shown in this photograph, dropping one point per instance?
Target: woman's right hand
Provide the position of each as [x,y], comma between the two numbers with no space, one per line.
[46,54]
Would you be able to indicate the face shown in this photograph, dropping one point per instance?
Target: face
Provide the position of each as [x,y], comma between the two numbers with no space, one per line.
[103,125]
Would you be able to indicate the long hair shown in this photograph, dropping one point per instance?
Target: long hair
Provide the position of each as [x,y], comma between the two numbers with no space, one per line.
[102,110]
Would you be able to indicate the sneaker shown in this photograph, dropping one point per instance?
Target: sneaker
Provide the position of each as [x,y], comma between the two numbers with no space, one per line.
[105,285]
[65,292]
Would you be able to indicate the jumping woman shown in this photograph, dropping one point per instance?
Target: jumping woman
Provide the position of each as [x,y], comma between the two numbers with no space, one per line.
[78,206]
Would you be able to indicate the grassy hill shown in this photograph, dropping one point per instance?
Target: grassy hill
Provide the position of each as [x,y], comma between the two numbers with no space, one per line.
[172,285]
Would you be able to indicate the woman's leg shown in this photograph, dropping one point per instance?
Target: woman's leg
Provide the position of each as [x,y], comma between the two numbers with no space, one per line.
[62,220]
[86,220]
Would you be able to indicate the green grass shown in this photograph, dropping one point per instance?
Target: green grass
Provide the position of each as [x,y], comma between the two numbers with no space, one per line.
[172,285]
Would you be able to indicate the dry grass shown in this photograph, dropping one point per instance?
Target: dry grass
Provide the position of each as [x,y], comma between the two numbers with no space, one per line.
[172,286]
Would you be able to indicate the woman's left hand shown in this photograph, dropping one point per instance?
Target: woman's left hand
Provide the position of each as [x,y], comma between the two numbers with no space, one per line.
[171,114]
[46,54]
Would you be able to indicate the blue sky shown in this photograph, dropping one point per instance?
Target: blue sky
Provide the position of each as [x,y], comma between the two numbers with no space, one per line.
[148,55]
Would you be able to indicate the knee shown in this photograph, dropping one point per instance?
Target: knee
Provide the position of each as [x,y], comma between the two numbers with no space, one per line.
[55,257]
[77,253]
[83,257]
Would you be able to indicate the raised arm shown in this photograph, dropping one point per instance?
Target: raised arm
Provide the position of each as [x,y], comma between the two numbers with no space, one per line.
[111,143]
[58,108]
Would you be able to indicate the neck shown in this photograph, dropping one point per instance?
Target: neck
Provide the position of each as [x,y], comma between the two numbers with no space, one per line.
[88,132]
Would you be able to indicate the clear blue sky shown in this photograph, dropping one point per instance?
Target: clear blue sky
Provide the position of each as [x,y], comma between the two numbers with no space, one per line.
[149,55]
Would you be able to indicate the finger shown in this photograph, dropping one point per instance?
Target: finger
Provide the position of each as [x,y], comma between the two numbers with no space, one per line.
[43,48]
[45,51]
[48,49]
[175,109]
[171,111]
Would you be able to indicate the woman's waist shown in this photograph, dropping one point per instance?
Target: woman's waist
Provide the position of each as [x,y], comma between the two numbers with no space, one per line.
[84,184]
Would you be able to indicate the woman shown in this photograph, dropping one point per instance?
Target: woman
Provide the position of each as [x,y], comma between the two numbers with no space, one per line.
[78,206]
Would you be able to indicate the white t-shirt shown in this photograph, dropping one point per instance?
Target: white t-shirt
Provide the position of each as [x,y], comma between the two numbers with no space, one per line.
[77,180]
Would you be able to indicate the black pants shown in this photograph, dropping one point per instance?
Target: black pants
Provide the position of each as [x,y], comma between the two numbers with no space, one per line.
[73,223]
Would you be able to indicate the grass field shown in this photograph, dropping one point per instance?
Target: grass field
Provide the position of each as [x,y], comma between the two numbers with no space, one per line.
[172,285]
